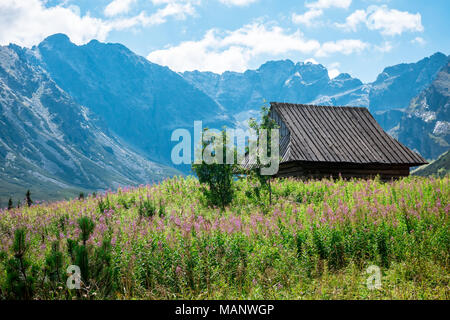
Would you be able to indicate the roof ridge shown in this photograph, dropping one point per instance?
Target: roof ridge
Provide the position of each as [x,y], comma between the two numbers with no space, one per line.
[287,104]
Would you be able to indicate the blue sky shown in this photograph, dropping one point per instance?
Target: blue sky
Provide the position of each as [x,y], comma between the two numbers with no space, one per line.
[360,37]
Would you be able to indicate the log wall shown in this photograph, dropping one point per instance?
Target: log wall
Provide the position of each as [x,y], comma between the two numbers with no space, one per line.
[325,170]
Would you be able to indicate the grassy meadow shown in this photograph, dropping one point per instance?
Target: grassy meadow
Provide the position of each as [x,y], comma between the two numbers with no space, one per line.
[315,241]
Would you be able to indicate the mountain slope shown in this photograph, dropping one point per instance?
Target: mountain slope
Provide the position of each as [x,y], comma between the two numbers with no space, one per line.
[49,141]
[439,167]
[397,85]
[140,101]
[425,125]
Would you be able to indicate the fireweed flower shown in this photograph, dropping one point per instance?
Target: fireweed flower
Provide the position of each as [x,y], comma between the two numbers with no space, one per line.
[178,270]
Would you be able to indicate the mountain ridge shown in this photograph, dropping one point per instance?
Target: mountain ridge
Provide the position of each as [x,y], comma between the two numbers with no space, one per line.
[388,97]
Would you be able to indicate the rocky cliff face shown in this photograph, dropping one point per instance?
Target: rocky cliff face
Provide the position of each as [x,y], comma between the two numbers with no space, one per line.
[397,85]
[425,126]
[49,141]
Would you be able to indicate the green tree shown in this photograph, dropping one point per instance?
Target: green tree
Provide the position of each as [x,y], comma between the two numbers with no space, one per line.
[54,263]
[218,175]
[28,198]
[10,204]
[95,263]
[20,274]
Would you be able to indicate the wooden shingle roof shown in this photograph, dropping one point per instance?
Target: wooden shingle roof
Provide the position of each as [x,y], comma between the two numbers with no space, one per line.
[338,134]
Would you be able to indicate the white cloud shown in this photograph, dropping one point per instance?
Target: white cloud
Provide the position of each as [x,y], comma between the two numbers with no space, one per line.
[117,7]
[333,70]
[385,47]
[325,4]
[316,10]
[161,2]
[28,22]
[346,46]
[239,3]
[311,60]
[393,22]
[389,22]
[232,50]
[307,17]
[333,73]
[419,40]
[179,10]
[176,10]
[353,20]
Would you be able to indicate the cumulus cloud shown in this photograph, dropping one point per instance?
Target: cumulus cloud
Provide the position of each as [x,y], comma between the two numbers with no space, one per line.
[118,7]
[316,10]
[419,40]
[307,17]
[325,4]
[239,3]
[178,9]
[384,47]
[389,22]
[333,70]
[27,22]
[345,46]
[353,20]
[311,60]
[393,22]
[233,50]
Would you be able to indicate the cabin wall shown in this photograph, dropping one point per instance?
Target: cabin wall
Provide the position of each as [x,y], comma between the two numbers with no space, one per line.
[325,170]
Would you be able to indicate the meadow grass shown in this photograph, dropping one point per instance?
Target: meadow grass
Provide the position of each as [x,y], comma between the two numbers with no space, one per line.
[315,241]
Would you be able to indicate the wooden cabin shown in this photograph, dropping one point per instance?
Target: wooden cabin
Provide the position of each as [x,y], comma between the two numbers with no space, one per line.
[324,141]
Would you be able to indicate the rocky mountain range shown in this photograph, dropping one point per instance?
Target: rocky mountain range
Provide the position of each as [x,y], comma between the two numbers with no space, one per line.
[140,101]
[96,116]
[391,98]
[49,139]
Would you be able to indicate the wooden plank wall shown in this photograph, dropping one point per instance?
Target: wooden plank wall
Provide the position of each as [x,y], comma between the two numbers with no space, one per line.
[325,170]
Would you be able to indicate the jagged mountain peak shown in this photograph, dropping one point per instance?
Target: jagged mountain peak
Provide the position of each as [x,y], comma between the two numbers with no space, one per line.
[343,76]
[57,40]
[435,61]
[272,65]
